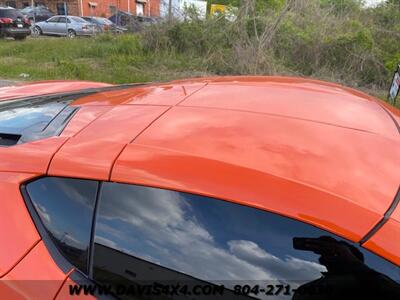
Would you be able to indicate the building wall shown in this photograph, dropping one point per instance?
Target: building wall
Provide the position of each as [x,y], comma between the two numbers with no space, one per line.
[100,8]
[73,5]
[103,8]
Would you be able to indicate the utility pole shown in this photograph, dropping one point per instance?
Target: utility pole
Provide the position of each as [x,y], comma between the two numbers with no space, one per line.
[66,20]
[170,10]
[34,16]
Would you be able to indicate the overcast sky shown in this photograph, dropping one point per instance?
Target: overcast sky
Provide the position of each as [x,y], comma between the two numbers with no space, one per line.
[373,2]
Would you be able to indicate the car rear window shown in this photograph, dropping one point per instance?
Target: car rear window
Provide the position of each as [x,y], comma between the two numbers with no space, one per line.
[26,10]
[69,219]
[33,119]
[79,20]
[172,236]
[135,237]
[103,21]
[10,13]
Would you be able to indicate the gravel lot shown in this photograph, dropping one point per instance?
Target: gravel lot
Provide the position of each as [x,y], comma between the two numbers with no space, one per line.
[6,82]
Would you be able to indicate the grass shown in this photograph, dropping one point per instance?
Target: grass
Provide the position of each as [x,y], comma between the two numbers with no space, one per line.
[105,58]
[111,59]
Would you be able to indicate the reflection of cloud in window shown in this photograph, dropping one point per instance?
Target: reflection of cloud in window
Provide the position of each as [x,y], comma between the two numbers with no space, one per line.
[23,116]
[158,224]
[62,236]
[73,194]
[43,214]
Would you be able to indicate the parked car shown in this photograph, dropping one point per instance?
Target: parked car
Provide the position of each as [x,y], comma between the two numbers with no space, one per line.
[13,24]
[132,22]
[241,186]
[37,13]
[70,26]
[104,24]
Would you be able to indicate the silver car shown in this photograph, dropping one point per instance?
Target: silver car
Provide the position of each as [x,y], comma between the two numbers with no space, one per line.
[69,26]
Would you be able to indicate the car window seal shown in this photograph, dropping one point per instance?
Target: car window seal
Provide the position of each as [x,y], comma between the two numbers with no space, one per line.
[384,219]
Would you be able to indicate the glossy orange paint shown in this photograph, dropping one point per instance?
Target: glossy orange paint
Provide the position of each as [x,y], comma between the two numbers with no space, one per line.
[314,151]
[31,157]
[36,277]
[83,117]
[393,111]
[46,87]
[17,231]
[166,95]
[224,153]
[115,97]
[92,152]
[305,101]
[386,241]
[302,148]
[396,214]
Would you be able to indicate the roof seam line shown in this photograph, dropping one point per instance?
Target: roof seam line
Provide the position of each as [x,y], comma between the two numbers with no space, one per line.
[54,154]
[391,117]
[191,94]
[151,123]
[384,219]
[22,258]
[68,138]
[130,142]
[280,116]
[63,283]
[91,122]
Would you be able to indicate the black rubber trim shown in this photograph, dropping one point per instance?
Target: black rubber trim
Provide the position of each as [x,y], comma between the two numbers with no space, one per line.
[7,139]
[83,92]
[92,233]
[385,218]
[54,128]
[79,277]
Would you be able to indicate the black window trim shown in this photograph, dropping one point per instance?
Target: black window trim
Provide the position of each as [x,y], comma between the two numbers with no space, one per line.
[66,266]
[77,275]
[58,258]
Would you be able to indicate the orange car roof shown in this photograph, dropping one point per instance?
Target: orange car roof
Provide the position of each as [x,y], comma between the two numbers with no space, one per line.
[310,150]
[46,87]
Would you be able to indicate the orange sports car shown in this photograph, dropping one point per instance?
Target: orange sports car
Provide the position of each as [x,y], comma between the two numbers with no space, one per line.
[210,188]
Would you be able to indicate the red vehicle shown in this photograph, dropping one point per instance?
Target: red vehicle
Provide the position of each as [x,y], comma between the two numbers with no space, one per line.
[227,187]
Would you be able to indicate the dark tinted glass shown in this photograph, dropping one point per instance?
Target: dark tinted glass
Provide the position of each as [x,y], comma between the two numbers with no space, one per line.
[145,234]
[10,13]
[53,20]
[27,10]
[103,21]
[78,20]
[35,119]
[65,207]
[17,116]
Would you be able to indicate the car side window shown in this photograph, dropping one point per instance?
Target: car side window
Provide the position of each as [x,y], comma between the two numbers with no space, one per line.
[65,208]
[145,235]
[53,20]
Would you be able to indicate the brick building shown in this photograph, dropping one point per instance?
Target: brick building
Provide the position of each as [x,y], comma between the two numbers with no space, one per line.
[101,8]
